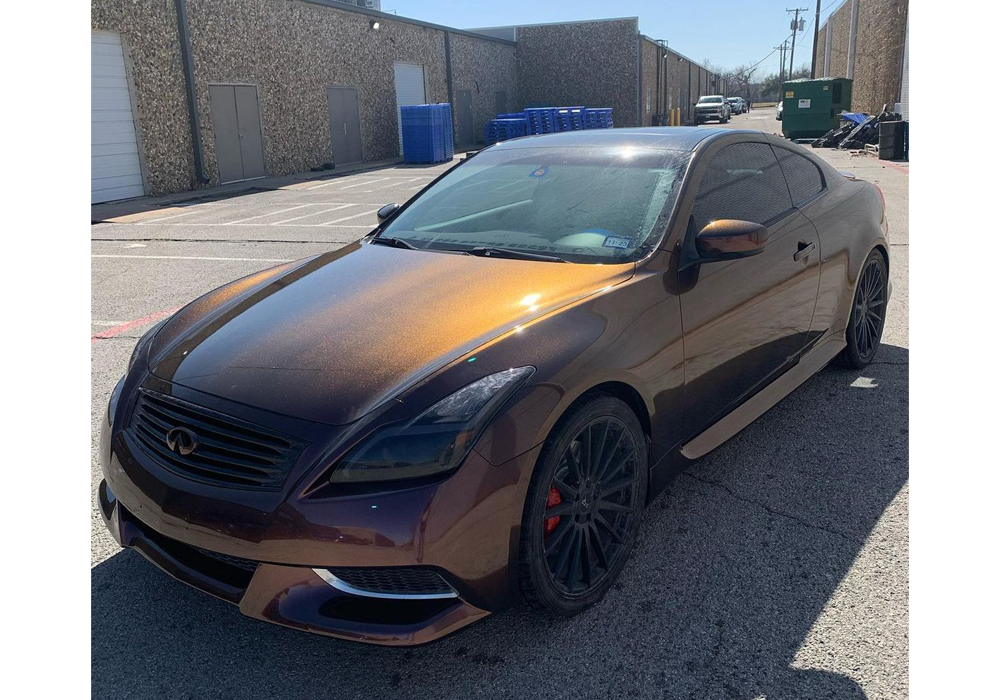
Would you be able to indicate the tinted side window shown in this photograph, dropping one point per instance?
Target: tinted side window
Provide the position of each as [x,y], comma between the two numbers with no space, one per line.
[742,181]
[805,180]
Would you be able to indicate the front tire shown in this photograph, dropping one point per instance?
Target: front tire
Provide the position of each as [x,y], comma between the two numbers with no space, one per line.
[583,507]
[864,330]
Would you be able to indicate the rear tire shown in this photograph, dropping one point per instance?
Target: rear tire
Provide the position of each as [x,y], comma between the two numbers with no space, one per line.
[583,507]
[864,329]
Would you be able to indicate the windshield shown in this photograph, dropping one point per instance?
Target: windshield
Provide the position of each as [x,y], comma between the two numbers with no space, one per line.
[734,99]
[710,100]
[590,205]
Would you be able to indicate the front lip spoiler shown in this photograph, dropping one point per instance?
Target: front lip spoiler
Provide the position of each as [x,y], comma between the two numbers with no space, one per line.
[293,596]
[345,587]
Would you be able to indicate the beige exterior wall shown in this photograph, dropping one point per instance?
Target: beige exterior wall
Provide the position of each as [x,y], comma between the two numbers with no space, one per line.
[879,51]
[594,64]
[292,51]
[149,36]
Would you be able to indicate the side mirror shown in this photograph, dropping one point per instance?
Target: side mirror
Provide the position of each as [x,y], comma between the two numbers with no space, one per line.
[728,239]
[386,211]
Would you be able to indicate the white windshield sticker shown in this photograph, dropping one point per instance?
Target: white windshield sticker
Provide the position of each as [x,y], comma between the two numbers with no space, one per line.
[616,242]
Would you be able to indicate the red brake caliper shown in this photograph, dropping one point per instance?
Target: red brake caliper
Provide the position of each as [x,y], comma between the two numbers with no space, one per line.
[554,499]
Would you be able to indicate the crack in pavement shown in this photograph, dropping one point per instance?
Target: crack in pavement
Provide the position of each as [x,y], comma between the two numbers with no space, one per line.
[772,511]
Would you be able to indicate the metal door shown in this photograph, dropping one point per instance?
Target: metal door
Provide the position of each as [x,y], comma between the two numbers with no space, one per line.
[226,127]
[251,145]
[463,109]
[345,125]
[239,150]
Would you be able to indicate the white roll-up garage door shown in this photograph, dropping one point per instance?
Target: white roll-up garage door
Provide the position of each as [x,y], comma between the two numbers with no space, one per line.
[114,156]
[409,90]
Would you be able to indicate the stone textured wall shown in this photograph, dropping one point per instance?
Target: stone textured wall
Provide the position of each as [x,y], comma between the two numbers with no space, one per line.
[678,93]
[650,88]
[820,52]
[879,51]
[149,33]
[580,63]
[293,51]
[484,68]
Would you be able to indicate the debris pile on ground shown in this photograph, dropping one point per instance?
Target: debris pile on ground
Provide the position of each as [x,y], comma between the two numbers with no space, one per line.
[856,131]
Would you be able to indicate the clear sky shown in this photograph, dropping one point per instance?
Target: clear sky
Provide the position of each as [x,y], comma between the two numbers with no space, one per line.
[726,32]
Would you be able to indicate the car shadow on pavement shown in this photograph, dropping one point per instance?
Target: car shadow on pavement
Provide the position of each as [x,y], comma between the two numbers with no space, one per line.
[735,565]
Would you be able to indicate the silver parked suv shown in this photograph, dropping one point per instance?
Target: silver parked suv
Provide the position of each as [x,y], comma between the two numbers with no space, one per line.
[711,107]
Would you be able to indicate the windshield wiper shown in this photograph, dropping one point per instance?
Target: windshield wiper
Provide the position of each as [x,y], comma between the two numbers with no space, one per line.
[394,242]
[491,252]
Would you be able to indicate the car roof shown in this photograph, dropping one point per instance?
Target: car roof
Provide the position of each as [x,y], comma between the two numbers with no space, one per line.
[677,138]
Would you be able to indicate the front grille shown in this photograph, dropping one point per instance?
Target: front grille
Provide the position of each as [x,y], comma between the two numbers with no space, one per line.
[229,451]
[398,580]
[245,564]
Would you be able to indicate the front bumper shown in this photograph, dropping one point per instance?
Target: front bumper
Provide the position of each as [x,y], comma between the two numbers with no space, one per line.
[463,527]
[292,596]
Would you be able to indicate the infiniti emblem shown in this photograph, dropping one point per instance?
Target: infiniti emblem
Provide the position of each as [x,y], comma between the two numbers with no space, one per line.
[182,441]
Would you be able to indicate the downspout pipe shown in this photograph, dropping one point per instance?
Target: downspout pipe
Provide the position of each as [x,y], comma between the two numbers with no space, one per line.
[447,69]
[852,44]
[192,97]
[638,78]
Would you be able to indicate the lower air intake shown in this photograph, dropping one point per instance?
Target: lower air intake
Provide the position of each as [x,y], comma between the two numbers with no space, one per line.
[390,582]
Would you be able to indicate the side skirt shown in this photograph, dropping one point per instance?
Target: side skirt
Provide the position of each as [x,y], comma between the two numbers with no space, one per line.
[758,404]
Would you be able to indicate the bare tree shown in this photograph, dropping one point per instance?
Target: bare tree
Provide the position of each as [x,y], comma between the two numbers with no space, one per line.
[740,78]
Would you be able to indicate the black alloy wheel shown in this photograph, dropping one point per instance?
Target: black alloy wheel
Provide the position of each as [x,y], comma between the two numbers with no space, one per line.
[871,297]
[584,507]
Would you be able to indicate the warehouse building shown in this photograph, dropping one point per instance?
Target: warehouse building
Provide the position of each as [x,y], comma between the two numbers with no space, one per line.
[868,41]
[192,93]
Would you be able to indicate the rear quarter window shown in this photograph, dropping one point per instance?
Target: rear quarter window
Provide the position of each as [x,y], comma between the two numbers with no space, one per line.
[805,180]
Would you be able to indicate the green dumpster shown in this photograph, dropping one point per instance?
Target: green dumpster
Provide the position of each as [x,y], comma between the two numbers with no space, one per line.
[812,107]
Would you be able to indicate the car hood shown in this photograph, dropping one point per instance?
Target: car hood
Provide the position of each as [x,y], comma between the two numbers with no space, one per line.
[708,106]
[330,338]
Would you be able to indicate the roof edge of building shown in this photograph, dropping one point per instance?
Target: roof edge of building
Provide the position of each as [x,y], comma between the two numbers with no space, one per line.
[335,5]
[555,24]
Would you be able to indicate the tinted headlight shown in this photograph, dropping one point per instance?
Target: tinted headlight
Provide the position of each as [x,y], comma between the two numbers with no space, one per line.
[435,441]
[113,401]
[143,343]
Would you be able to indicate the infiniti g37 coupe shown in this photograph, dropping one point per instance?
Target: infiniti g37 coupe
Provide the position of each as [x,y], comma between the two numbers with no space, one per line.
[476,400]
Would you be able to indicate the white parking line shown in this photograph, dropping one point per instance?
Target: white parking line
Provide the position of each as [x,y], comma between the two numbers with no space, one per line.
[339,181]
[191,257]
[270,213]
[353,216]
[369,182]
[392,184]
[176,216]
[315,213]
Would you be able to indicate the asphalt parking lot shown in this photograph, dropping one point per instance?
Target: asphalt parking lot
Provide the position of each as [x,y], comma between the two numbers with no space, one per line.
[776,567]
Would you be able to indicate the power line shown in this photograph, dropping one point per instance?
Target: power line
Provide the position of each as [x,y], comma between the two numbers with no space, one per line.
[768,56]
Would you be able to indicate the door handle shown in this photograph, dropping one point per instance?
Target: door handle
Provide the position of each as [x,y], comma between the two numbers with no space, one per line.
[804,250]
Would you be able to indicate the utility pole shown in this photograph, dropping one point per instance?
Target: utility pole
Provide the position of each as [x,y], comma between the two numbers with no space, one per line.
[795,29]
[815,42]
[781,71]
